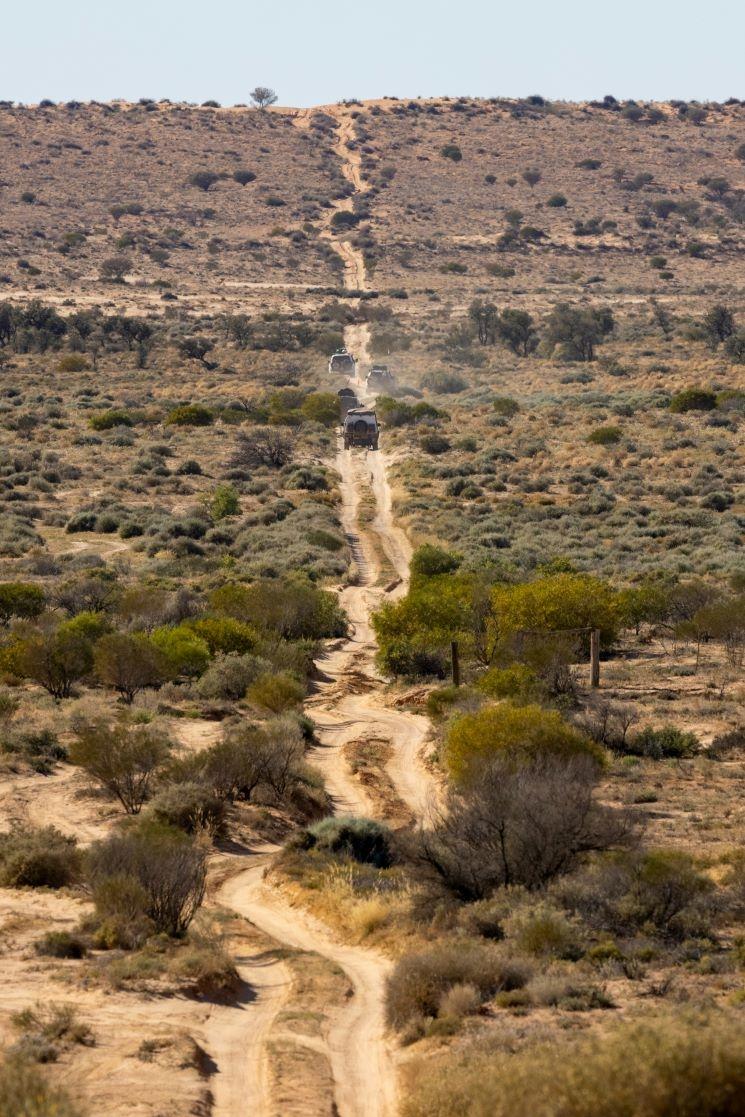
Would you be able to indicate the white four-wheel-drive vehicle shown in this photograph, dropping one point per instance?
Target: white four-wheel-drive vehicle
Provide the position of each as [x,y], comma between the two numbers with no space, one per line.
[342,361]
[380,379]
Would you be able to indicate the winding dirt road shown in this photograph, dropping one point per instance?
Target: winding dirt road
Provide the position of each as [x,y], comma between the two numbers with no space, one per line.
[348,705]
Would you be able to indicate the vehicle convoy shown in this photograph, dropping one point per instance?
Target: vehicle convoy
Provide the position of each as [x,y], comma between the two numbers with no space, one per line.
[347,400]
[380,379]
[343,361]
[360,428]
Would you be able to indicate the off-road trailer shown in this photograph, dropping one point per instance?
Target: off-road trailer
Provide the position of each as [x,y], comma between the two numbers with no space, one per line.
[347,400]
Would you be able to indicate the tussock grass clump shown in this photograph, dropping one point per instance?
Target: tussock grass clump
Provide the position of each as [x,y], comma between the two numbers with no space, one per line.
[693,1067]
[362,839]
[25,1093]
[40,857]
[420,983]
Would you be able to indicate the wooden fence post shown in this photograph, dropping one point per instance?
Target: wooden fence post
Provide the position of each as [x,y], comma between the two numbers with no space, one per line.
[455,657]
[595,657]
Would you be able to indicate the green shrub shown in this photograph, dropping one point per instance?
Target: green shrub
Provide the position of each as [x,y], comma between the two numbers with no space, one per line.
[517,681]
[542,930]
[224,502]
[189,415]
[73,362]
[659,744]
[693,399]
[429,560]
[20,599]
[557,201]
[434,443]
[230,675]
[451,151]
[605,436]
[521,732]
[60,944]
[226,635]
[39,857]
[185,652]
[276,692]
[363,839]
[505,406]
[190,807]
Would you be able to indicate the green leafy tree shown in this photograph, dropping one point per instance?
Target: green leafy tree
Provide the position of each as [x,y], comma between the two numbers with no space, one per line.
[517,330]
[485,317]
[20,599]
[555,603]
[718,324]
[185,652]
[578,330]
[56,658]
[520,733]
[123,759]
[129,663]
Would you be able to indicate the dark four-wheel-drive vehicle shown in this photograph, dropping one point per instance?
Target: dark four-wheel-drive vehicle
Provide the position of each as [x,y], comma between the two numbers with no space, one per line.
[360,428]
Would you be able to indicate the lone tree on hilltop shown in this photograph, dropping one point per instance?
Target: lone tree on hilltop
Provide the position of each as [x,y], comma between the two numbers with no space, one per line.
[262,96]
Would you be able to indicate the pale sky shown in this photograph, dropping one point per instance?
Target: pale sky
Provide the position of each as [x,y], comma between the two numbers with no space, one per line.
[319,51]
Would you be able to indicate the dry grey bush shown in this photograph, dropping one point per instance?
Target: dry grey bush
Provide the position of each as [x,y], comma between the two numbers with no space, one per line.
[520,825]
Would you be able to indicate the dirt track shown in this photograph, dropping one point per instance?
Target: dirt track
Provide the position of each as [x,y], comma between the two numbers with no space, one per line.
[348,705]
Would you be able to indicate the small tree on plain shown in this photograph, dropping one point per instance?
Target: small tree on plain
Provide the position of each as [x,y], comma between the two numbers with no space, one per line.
[129,663]
[262,96]
[484,315]
[122,759]
[56,658]
[269,446]
[203,180]
[196,348]
[20,599]
[517,331]
[532,176]
[115,268]
[579,330]
[718,324]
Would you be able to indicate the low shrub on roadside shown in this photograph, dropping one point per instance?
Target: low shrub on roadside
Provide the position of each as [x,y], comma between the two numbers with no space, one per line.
[690,1067]
[419,982]
[38,857]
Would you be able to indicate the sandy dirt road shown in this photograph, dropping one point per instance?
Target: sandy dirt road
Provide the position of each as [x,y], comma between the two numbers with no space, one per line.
[348,704]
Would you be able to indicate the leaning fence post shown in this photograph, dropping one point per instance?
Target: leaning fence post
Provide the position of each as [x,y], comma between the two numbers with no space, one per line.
[455,657]
[595,657]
